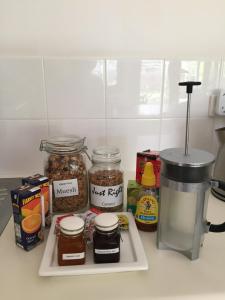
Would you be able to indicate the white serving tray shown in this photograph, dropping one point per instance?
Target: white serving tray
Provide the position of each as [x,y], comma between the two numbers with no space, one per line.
[132,255]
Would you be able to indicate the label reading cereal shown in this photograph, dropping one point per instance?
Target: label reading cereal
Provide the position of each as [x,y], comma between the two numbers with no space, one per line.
[65,188]
[106,196]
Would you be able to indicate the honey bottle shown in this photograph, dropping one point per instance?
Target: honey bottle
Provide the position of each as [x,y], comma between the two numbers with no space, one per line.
[146,216]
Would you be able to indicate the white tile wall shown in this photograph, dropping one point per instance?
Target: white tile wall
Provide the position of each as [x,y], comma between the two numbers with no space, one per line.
[173,133]
[19,147]
[174,101]
[132,135]
[21,89]
[134,88]
[135,104]
[74,88]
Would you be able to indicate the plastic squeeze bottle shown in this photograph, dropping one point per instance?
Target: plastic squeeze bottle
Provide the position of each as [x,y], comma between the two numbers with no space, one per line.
[146,216]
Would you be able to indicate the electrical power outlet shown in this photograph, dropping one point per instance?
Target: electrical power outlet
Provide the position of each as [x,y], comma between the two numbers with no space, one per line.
[220,104]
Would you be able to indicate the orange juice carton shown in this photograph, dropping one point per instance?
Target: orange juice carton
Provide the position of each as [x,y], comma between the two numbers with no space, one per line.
[26,204]
[43,183]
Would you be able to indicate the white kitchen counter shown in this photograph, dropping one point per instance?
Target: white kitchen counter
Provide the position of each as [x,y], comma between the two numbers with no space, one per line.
[170,275]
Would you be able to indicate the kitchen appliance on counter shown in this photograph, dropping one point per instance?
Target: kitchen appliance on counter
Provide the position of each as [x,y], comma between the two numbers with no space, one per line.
[219,169]
[185,187]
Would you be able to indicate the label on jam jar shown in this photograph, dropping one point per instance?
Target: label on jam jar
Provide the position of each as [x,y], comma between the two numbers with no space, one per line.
[106,196]
[70,256]
[65,188]
[107,251]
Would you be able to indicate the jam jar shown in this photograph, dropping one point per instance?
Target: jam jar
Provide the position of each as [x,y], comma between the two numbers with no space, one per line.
[71,242]
[66,170]
[106,239]
[106,180]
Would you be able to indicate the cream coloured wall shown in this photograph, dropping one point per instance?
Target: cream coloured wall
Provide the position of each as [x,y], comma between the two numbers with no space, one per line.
[107,28]
[141,49]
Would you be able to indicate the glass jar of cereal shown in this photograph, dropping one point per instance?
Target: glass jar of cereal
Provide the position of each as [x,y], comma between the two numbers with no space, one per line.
[106,180]
[66,170]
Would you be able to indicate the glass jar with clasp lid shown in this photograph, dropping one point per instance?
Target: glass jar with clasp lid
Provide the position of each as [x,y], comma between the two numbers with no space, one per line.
[106,179]
[66,169]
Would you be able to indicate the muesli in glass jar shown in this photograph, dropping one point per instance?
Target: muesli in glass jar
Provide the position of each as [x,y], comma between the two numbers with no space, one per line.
[66,169]
[106,180]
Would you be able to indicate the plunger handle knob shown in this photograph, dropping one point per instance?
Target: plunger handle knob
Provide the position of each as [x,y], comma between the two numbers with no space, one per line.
[189,85]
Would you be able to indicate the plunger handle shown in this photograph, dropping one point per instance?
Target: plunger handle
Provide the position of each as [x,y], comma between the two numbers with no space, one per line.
[189,88]
[189,85]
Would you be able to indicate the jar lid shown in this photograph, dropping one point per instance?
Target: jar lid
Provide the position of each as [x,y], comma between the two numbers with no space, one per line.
[71,225]
[63,144]
[106,221]
[106,154]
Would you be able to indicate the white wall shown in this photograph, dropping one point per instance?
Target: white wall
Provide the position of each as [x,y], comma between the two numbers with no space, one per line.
[133,102]
[105,28]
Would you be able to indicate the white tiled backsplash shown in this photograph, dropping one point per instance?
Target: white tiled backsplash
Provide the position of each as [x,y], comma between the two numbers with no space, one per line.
[135,104]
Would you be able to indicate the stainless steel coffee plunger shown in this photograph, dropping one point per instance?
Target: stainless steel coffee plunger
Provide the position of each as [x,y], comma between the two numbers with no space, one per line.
[185,187]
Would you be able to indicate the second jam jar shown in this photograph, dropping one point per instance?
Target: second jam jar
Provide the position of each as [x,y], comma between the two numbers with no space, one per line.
[106,239]
[106,180]
[71,242]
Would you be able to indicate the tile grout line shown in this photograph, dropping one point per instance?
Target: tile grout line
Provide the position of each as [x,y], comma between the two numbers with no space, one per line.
[45,93]
[129,119]
[220,73]
[161,103]
[105,101]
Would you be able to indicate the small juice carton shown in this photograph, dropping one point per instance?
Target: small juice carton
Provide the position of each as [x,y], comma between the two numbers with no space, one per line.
[133,189]
[26,204]
[43,183]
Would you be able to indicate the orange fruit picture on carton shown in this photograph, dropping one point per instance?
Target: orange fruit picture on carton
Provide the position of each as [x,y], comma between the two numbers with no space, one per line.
[35,206]
[32,207]
[31,223]
[26,212]
[32,216]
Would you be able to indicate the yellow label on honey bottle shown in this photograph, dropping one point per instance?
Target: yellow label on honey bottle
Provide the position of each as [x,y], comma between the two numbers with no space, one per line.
[147,210]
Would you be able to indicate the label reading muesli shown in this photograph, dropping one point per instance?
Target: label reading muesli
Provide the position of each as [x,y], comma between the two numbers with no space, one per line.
[65,188]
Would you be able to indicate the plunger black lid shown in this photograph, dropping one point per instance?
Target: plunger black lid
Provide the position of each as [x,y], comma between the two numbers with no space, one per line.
[194,167]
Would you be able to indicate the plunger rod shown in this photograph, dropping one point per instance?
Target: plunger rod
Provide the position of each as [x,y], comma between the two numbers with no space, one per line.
[189,88]
[187,124]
